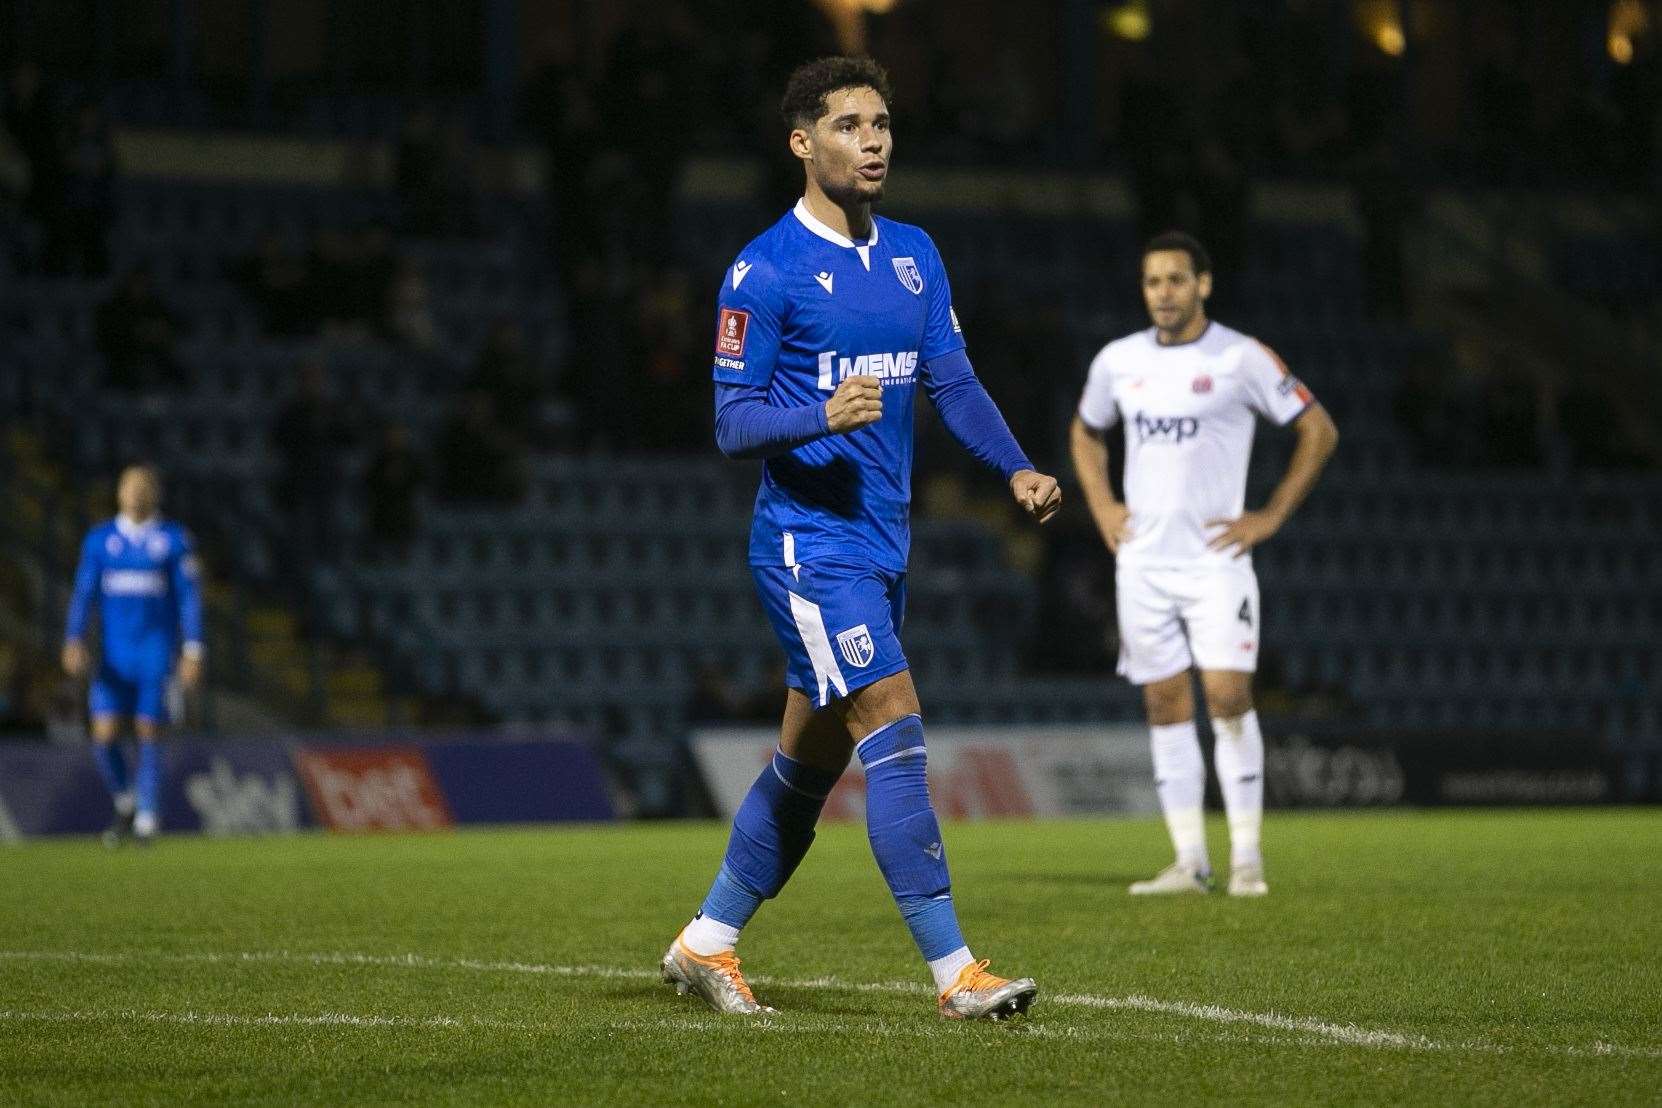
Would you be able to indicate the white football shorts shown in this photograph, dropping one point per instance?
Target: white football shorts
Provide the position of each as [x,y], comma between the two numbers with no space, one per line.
[1172,618]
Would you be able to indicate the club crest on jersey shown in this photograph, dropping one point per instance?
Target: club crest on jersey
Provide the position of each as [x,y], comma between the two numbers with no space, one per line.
[856,646]
[157,545]
[907,270]
[730,332]
[1202,384]
[112,545]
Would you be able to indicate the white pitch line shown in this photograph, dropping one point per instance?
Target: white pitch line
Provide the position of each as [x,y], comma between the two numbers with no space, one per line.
[942,1029]
[762,1026]
[1346,1033]
[1333,1033]
[231,1019]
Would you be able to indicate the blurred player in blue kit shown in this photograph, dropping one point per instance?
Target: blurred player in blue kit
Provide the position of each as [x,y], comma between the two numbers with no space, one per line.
[827,324]
[142,572]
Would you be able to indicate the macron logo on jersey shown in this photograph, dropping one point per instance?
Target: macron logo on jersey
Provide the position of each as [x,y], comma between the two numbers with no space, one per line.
[1173,429]
[889,369]
[741,269]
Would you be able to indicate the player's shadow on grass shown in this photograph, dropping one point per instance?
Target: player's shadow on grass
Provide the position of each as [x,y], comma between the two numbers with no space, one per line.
[791,1000]
[1075,879]
[823,1002]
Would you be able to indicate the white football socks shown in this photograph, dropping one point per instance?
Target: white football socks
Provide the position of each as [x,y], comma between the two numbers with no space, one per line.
[1180,779]
[706,937]
[1239,753]
[947,969]
[123,803]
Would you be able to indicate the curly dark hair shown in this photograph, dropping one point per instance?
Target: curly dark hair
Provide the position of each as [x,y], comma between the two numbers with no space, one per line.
[811,83]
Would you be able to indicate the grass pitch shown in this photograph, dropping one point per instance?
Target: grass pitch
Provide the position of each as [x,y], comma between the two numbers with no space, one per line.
[1498,958]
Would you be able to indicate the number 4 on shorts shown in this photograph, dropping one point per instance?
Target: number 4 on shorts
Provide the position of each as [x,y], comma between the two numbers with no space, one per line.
[1245,614]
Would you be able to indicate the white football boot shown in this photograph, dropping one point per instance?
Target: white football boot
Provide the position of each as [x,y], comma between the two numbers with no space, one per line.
[1248,880]
[1175,880]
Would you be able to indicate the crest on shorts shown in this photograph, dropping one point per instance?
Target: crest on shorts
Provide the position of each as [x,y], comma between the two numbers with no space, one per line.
[856,646]
[907,270]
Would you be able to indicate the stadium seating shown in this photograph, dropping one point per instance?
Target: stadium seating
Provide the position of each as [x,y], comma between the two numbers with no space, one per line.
[1425,598]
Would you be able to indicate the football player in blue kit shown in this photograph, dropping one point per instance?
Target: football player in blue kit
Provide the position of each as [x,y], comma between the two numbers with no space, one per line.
[142,572]
[827,325]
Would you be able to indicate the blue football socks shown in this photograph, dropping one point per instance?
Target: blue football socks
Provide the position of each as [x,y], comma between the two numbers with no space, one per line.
[112,767]
[771,833]
[148,780]
[906,837]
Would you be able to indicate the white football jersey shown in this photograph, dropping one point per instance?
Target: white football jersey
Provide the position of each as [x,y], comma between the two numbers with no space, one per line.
[1189,414]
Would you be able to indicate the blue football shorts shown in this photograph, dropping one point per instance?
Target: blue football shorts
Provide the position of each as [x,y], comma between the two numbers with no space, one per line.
[839,622]
[116,694]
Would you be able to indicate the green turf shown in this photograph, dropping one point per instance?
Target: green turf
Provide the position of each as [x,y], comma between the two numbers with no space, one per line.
[1506,957]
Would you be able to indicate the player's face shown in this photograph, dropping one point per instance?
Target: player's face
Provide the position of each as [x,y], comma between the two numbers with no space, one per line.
[138,494]
[1172,291]
[849,147]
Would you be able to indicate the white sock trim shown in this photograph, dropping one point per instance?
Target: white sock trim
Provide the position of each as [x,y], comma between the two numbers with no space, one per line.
[707,937]
[946,969]
[885,727]
[909,752]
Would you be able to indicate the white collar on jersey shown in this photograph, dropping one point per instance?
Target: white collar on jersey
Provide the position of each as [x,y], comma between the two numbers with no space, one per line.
[812,222]
[132,530]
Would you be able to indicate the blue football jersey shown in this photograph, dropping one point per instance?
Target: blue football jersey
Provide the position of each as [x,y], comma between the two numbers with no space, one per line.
[144,578]
[802,308]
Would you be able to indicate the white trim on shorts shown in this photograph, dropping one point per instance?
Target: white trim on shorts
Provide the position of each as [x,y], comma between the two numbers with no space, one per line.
[810,625]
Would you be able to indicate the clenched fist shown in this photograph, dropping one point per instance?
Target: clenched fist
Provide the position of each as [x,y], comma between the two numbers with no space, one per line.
[1039,494]
[857,402]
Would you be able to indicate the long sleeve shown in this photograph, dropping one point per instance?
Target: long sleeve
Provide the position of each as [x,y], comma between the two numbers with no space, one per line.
[970,414]
[86,586]
[187,593]
[747,426]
